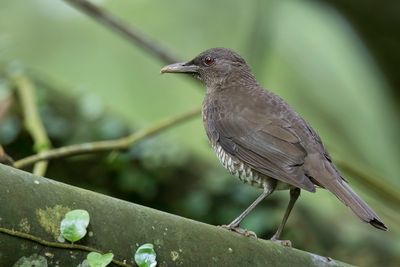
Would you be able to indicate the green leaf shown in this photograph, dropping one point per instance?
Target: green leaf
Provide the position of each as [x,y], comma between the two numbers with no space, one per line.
[145,256]
[84,264]
[73,226]
[95,259]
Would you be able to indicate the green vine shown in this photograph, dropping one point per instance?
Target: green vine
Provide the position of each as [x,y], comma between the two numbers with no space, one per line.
[47,243]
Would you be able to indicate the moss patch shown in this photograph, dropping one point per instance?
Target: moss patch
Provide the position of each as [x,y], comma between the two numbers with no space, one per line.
[50,218]
[174,255]
[24,225]
[31,261]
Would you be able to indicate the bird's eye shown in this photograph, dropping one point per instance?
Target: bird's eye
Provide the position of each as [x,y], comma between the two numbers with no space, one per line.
[208,61]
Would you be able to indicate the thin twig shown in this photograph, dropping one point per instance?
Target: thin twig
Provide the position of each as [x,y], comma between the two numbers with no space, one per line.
[46,243]
[4,158]
[109,145]
[33,123]
[129,32]
[371,181]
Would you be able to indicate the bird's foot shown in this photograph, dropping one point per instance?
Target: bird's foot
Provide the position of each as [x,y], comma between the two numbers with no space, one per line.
[286,243]
[237,229]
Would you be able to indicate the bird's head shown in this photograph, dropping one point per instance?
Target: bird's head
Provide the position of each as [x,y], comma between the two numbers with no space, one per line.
[213,66]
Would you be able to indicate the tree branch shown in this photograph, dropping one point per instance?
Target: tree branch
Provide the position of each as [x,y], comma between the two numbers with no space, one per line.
[371,181]
[4,158]
[117,144]
[33,123]
[129,32]
[177,241]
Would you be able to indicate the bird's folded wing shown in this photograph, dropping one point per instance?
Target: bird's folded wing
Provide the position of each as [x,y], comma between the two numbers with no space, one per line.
[271,149]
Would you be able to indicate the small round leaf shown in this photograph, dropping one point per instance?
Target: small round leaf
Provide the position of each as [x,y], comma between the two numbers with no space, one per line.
[73,226]
[95,259]
[145,256]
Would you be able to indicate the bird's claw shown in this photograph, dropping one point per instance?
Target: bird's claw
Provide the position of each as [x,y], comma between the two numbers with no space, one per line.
[239,230]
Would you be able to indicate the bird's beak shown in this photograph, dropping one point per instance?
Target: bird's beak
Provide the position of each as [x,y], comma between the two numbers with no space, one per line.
[183,67]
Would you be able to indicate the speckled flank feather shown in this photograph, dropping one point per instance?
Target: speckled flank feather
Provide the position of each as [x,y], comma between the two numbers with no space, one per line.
[237,168]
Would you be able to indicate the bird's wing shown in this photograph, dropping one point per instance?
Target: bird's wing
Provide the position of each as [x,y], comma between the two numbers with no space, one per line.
[269,146]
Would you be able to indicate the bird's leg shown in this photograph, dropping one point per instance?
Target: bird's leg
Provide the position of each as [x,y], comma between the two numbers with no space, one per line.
[235,224]
[294,195]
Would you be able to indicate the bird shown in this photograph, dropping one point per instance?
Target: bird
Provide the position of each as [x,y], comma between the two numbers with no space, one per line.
[261,140]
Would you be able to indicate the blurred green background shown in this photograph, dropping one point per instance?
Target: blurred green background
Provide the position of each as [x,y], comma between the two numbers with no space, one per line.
[335,62]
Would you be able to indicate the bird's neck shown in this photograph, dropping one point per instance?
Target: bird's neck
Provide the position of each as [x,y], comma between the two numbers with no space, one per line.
[238,79]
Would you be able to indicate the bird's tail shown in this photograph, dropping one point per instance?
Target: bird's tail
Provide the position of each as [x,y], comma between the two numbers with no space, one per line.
[332,180]
[344,192]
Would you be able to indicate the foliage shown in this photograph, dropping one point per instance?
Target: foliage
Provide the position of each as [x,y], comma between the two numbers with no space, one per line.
[145,256]
[95,259]
[73,226]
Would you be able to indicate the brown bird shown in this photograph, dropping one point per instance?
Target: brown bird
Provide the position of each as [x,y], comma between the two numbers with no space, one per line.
[260,139]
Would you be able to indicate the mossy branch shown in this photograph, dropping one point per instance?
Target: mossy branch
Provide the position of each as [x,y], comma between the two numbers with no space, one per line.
[33,123]
[109,145]
[4,158]
[121,227]
[372,181]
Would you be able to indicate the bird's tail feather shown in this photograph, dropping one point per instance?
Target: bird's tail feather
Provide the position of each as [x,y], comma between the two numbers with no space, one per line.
[344,192]
[331,179]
